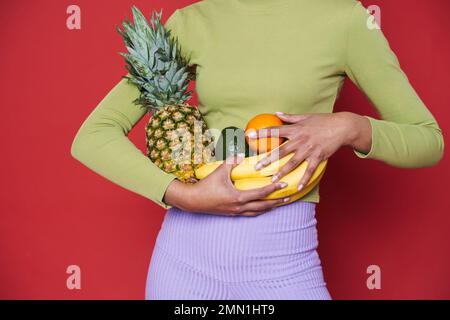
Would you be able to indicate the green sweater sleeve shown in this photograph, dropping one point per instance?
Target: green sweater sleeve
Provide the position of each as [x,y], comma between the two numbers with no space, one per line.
[102,142]
[407,134]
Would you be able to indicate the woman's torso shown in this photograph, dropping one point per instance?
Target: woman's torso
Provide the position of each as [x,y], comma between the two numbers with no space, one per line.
[281,55]
[251,60]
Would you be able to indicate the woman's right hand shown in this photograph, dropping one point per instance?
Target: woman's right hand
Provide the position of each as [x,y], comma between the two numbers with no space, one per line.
[216,194]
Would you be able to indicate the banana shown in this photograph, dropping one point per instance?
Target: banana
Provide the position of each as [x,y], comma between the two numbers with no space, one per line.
[305,190]
[245,169]
[245,176]
[206,169]
[292,179]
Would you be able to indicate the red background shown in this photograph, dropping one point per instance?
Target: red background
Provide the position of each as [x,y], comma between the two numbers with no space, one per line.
[55,212]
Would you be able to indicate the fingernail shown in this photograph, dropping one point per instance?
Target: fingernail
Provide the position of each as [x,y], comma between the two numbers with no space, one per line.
[300,187]
[286,199]
[262,163]
[274,178]
[279,113]
[283,184]
[252,134]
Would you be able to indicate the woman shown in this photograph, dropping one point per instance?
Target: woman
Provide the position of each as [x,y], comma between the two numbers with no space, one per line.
[252,57]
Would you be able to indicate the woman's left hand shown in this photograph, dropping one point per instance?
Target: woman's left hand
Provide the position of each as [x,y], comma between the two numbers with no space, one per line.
[314,138]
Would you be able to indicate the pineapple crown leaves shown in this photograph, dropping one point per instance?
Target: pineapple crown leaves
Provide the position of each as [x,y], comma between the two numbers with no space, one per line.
[155,62]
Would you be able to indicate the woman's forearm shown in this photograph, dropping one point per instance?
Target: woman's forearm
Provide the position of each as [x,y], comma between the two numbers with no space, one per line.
[179,194]
[359,134]
[102,144]
[398,144]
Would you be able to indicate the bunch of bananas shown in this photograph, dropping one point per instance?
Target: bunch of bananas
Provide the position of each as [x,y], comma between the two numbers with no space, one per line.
[245,177]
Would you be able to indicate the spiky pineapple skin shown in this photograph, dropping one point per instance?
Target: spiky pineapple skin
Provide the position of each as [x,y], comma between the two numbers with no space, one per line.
[164,143]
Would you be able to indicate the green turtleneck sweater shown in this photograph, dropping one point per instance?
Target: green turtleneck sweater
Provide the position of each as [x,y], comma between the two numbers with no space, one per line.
[263,56]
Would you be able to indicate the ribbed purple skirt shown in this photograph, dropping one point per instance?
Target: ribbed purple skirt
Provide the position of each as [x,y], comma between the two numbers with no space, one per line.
[209,257]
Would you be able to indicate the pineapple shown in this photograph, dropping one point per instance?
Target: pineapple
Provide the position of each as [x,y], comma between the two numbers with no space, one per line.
[177,138]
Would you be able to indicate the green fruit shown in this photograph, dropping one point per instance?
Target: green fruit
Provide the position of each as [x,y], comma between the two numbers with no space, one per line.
[231,142]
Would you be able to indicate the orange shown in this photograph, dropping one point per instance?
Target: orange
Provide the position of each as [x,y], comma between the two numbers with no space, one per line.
[262,121]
